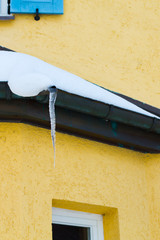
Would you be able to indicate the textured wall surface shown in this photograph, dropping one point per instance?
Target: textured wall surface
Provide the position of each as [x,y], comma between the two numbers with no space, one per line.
[86,172]
[153,178]
[112,43]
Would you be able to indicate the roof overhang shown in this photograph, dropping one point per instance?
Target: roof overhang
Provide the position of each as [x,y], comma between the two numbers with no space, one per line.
[85,118]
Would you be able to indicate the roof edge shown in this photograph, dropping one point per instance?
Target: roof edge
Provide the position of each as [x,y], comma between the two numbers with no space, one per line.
[84,118]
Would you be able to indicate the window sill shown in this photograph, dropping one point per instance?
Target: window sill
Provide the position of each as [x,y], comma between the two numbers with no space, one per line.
[7,17]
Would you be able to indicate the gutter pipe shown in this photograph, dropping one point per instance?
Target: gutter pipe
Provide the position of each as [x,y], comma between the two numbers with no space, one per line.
[93,108]
[107,112]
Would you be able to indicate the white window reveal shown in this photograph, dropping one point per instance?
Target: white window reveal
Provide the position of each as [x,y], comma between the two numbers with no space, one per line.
[75,225]
[5,10]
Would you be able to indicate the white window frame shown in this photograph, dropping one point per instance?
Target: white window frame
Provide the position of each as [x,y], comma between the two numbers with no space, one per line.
[80,219]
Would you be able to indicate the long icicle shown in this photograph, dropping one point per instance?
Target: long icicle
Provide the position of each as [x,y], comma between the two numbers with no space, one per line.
[52,100]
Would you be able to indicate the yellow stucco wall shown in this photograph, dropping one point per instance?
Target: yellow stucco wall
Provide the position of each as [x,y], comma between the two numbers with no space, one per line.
[111,43]
[153,179]
[104,179]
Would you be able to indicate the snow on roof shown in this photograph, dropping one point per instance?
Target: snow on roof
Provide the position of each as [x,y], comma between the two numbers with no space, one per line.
[27,76]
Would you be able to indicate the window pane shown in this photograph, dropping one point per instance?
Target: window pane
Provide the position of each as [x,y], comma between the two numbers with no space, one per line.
[65,232]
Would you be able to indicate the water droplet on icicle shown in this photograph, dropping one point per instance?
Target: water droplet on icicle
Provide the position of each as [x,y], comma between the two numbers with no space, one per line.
[52,100]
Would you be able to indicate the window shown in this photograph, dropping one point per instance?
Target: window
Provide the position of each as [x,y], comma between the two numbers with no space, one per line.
[74,225]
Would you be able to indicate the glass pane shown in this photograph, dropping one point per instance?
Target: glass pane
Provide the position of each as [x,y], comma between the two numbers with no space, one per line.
[65,232]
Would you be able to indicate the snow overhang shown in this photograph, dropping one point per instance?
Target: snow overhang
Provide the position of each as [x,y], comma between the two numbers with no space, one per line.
[86,118]
[103,116]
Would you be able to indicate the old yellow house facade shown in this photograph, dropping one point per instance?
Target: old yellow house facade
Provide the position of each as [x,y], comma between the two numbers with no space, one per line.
[114,44]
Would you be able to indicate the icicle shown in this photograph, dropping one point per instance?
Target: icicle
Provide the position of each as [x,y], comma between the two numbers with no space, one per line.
[52,100]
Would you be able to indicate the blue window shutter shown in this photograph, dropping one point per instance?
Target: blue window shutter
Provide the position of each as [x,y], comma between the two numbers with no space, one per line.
[30,6]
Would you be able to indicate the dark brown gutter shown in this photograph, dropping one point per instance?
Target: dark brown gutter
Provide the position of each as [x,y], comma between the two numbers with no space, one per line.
[89,122]
[34,113]
[107,112]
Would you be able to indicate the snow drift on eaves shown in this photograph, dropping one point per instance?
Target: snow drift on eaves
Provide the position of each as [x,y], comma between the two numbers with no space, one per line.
[27,76]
